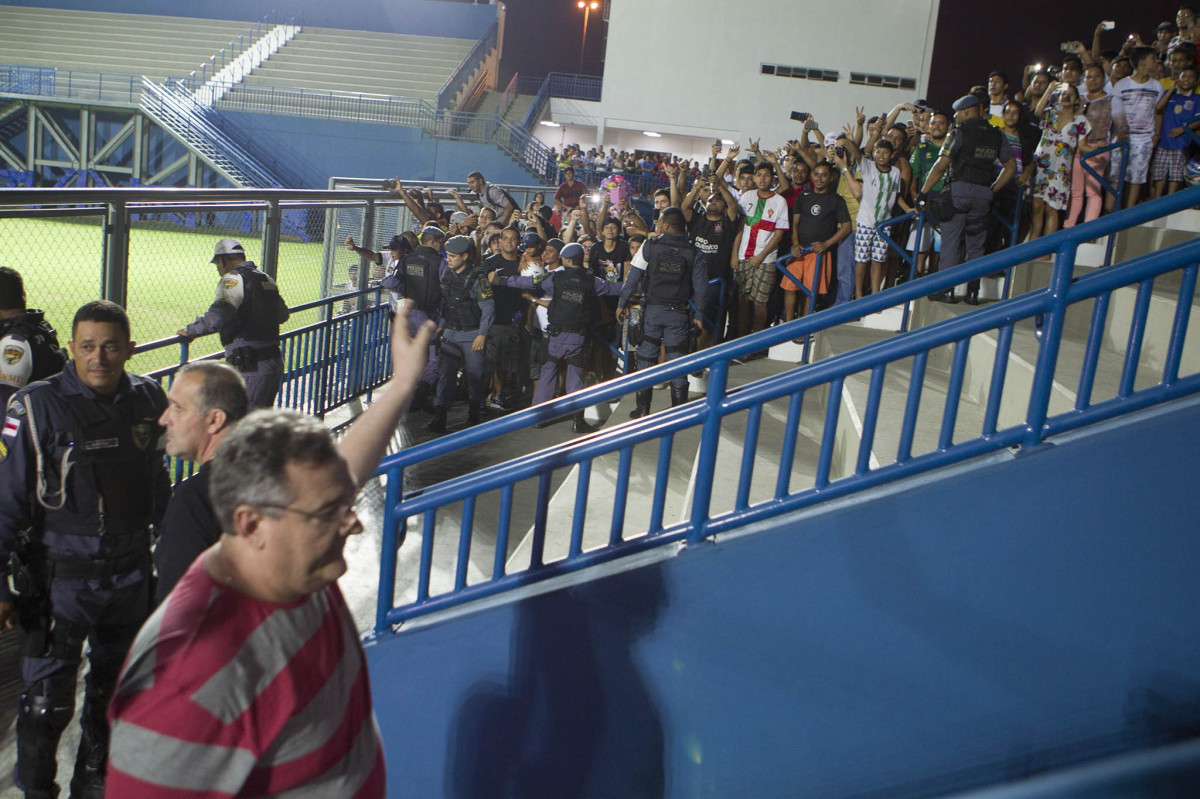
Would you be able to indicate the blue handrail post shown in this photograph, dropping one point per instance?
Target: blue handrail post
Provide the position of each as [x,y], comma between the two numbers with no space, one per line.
[1014,228]
[1043,376]
[912,267]
[389,548]
[710,437]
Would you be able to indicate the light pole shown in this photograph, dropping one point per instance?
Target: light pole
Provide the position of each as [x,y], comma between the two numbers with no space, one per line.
[588,7]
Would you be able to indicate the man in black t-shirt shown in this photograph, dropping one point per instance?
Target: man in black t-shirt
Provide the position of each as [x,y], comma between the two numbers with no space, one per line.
[820,221]
[204,402]
[713,233]
[503,349]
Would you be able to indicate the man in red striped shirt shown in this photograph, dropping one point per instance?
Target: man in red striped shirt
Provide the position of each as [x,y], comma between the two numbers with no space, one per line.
[249,679]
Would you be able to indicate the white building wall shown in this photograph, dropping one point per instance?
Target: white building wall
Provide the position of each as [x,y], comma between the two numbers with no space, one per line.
[693,68]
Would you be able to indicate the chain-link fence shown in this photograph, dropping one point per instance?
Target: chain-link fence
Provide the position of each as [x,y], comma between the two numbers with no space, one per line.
[60,257]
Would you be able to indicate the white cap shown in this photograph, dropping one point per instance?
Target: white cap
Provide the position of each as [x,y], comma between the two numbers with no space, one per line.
[227,247]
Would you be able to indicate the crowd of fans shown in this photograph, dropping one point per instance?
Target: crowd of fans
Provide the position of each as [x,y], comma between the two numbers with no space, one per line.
[1132,109]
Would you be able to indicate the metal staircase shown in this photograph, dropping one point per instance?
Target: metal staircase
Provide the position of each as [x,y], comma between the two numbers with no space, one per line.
[172,106]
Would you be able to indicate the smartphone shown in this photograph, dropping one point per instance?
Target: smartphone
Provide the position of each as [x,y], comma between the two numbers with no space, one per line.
[1107,25]
[801,116]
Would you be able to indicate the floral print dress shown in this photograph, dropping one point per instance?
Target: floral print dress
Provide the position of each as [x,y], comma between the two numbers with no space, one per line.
[1053,156]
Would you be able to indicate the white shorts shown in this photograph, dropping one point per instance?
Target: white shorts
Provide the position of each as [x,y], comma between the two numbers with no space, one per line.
[1141,150]
[869,245]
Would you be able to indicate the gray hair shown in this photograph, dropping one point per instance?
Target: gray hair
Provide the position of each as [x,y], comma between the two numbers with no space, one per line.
[250,465]
[221,387]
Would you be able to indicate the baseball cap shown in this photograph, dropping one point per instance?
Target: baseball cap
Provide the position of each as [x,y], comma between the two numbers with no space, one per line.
[398,242]
[458,217]
[227,247]
[830,139]
[556,243]
[458,245]
[965,102]
[433,230]
[530,238]
[572,250]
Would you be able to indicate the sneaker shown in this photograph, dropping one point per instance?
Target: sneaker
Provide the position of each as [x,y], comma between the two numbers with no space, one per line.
[500,402]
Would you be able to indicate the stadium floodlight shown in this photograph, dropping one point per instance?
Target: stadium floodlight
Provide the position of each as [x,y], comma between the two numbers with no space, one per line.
[651,134]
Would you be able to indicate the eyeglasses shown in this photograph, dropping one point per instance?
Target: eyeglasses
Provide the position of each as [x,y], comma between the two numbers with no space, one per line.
[341,517]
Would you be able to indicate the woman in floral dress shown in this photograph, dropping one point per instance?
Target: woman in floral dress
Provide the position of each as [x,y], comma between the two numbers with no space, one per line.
[1064,130]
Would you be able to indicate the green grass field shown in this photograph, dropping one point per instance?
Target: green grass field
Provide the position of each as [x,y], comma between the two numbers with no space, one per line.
[171,281]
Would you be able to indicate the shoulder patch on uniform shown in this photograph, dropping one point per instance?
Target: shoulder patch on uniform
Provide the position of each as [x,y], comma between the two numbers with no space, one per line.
[12,426]
[3,451]
[13,355]
[229,283]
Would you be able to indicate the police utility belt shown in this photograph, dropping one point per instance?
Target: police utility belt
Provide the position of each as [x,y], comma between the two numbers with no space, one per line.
[246,359]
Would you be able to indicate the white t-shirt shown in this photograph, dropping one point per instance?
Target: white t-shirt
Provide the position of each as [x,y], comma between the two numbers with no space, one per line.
[764,216]
[880,190]
[1134,102]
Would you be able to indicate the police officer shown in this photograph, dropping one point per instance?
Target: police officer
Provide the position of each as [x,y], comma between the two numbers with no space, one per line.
[418,277]
[970,153]
[467,311]
[85,481]
[572,292]
[247,313]
[674,272]
[29,348]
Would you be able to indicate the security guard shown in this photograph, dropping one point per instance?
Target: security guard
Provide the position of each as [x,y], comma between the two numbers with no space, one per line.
[572,292]
[418,277]
[675,272]
[29,348]
[85,481]
[970,153]
[247,312]
[466,313]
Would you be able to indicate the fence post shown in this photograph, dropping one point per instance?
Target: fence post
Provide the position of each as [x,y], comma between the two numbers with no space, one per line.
[270,240]
[1043,375]
[116,253]
[364,266]
[710,435]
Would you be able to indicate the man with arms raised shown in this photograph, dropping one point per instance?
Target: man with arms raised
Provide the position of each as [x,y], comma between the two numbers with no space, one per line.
[250,680]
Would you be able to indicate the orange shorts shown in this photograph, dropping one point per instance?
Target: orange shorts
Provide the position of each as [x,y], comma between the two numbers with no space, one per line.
[802,269]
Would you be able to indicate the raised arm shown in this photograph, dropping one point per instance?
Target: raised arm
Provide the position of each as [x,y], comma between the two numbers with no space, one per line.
[366,441]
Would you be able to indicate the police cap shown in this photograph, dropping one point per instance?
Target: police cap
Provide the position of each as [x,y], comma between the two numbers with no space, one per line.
[228,247]
[458,245]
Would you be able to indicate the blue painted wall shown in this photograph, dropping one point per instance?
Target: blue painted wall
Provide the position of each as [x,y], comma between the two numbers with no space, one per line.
[978,628]
[317,149]
[422,17]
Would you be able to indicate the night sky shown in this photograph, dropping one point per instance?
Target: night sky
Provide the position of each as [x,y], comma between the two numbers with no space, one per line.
[543,36]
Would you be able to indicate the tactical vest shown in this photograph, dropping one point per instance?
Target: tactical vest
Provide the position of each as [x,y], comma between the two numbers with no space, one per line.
[975,153]
[48,357]
[460,308]
[109,480]
[422,282]
[669,277]
[261,312]
[573,303]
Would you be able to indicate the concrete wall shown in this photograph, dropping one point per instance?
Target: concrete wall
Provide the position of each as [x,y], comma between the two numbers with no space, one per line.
[422,17]
[318,149]
[693,67]
[1033,611]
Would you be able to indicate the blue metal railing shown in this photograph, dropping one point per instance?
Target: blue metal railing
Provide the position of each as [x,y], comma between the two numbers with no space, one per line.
[575,87]
[538,107]
[327,363]
[70,84]
[1121,148]
[463,72]
[1049,305]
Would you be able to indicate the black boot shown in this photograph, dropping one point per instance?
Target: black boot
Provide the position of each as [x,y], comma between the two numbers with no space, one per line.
[679,395]
[438,424]
[43,712]
[643,404]
[473,413]
[580,425]
[92,760]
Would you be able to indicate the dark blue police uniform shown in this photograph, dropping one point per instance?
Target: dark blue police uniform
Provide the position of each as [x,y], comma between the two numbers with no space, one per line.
[675,272]
[85,481]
